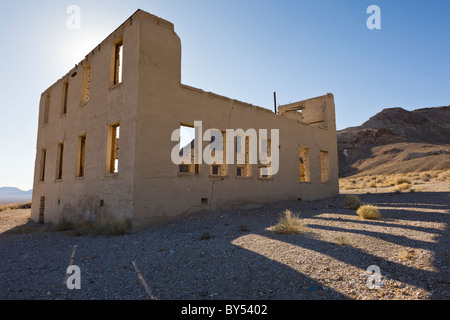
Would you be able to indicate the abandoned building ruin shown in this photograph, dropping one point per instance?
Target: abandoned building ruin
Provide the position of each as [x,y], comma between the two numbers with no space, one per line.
[129,89]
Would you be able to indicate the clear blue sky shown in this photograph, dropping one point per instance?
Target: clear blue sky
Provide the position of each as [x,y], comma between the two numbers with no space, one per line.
[244,49]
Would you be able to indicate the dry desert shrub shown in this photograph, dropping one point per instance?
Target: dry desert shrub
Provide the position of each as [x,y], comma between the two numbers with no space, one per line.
[402,180]
[408,254]
[289,223]
[372,184]
[403,186]
[352,202]
[63,225]
[380,180]
[368,212]
[112,227]
[425,176]
[342,240]
[243,228]
[205,236]
[105,227]
[443,176]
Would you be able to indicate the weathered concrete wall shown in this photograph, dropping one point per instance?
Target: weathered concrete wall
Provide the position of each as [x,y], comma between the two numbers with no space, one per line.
[74,197]
[162,193]
[150,104]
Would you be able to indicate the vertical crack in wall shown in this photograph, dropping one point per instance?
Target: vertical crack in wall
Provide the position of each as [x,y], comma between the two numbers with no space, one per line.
[229,118]
[211,195]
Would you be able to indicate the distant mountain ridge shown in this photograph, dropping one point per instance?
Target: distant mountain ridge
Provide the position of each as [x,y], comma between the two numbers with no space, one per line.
[13,194]
[392,137]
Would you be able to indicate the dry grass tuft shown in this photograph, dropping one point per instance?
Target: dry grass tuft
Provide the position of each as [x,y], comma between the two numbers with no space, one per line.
[443,176]
[368,211]
[408,254]
[402,180]
[372,184]
[205,236]
[105,227]
[243,228]
[289,223]
[63,225]
[352,202]
[342,240]
[403,186]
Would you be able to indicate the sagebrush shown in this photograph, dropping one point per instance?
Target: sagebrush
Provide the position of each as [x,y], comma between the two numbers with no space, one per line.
[352,202]
[289,223]
[368,212]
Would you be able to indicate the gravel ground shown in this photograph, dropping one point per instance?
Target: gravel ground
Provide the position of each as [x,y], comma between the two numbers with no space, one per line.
[243,259]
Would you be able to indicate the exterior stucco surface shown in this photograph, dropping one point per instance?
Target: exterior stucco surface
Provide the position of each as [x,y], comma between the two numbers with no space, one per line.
[150,103]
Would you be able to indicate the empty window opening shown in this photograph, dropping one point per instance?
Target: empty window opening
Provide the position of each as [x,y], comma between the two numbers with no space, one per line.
[41,210]
[305,175]
[42,169]
[243,168]
[81,155]
[204,201]
[264,155]
[65,93]
[324,166]
[215,169]
[265,147]
[113,148]
[184,168]
[218,154]
[86,82]
[264,172]
[59,161]
[46,108]
[118,60]
[187,150]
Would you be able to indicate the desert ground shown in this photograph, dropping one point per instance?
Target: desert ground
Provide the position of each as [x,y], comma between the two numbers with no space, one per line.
[236,255]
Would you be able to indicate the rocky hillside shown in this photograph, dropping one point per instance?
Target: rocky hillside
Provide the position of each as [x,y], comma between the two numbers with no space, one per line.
[396,140]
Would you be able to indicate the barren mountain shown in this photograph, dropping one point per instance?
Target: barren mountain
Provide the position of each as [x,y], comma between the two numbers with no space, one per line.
[12,194]
[395,141]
